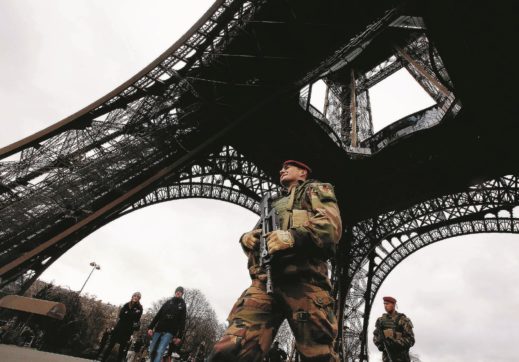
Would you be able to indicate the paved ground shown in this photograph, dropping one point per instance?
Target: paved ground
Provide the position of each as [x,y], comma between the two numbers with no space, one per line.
[10,353]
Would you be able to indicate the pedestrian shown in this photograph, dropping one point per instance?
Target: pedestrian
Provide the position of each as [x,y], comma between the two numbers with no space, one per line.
[276,354]
[310,231]
[167,325]
[129,319]
[393,334]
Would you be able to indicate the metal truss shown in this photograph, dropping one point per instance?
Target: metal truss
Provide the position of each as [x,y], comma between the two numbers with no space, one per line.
[347,106]
[103,159]
[381,243]
[337,115]
[65,181]
[225,176]
[347,117]
[72,171]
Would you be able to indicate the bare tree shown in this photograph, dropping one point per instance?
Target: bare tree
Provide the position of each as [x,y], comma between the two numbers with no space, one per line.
[78,333]
[202,323]
[87,318]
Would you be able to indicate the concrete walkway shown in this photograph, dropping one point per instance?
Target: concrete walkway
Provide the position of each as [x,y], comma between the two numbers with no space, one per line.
[10,353]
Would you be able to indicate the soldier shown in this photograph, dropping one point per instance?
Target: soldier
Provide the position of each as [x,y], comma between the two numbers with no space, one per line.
[310,230]
[129,317]
[393,334]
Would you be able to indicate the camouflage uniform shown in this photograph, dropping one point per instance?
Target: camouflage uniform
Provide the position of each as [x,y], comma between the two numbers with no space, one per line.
[301,283]
[397,331]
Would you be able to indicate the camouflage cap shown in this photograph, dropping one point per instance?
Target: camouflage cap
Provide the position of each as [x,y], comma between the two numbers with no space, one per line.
[298,164]
[389,299]
[179,289]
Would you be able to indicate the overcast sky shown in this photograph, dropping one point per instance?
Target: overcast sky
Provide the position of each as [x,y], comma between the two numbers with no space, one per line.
[59,55]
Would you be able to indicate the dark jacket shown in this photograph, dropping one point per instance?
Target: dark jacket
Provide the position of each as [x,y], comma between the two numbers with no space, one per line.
[129,315]
[399,339]
[171,317]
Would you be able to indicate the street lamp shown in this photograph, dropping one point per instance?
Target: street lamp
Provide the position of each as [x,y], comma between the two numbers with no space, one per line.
[94,266]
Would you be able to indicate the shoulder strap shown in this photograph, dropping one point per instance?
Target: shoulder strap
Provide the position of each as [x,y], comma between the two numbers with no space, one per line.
[290,206]
[291,198]
[397,320]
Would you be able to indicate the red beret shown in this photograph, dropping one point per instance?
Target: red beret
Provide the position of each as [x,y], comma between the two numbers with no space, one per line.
[389,299]
[298,164]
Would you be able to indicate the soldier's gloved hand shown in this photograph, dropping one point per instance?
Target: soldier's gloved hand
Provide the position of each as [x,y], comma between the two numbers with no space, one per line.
[381,348]
[279,240]
[250,239]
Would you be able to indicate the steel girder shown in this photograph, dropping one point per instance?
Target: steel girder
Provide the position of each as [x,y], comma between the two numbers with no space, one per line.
[106,157]
[225,176]
[348,96]
[143,131]
[73,176]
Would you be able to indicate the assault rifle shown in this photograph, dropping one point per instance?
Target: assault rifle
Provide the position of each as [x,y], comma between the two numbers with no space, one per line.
[269,222]
[386,348]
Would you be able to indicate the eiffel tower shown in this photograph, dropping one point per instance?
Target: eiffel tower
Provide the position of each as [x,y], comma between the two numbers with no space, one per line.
[181,128]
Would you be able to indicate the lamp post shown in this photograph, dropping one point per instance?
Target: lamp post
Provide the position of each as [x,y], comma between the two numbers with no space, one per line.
[94,266]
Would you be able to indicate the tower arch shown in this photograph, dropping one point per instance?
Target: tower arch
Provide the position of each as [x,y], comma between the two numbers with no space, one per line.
[380,244]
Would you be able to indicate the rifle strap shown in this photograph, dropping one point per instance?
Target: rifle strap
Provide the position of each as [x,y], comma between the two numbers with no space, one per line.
[396,324]
[290,206]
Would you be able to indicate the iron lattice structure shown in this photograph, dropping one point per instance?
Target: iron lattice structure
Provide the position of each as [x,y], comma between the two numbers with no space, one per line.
[89,160]
[226,176]
[181,128]
[381,243]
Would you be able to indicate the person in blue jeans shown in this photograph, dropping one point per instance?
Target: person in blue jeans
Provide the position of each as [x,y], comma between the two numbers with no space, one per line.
[167,325]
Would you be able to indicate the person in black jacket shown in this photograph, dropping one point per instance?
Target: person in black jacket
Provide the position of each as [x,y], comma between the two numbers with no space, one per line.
[168,324]
[129,317]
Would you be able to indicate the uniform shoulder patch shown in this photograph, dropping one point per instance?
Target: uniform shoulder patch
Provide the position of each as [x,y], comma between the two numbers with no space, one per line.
[405,319]
[324,191]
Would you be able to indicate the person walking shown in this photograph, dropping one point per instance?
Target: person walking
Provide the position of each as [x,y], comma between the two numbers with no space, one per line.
[167,325]
[129,319]
[310,229]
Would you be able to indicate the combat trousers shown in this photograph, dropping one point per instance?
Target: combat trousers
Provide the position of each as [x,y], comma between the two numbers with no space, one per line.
[256,317]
